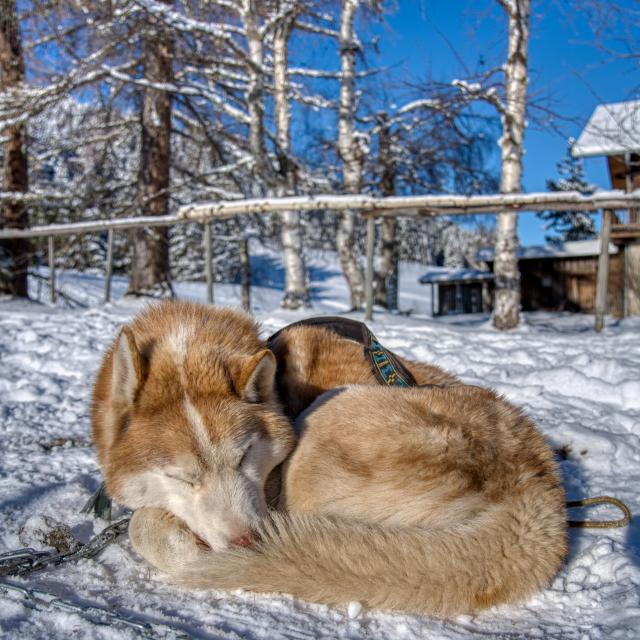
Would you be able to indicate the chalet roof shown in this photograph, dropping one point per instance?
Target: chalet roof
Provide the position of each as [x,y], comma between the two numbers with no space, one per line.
[574,249]
[459,275]
[613,129]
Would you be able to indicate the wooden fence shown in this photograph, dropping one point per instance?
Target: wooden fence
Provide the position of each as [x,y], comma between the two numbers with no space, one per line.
[370,208]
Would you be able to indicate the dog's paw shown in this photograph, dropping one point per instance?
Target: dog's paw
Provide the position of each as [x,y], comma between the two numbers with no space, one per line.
[164,540]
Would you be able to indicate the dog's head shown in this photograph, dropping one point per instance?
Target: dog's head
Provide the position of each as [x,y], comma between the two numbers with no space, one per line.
[184,424]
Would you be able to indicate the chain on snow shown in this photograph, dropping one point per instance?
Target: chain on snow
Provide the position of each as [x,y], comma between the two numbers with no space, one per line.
[40,600]
[25,561]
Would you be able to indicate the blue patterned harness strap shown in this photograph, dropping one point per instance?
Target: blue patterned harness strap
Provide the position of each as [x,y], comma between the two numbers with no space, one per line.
[385,365]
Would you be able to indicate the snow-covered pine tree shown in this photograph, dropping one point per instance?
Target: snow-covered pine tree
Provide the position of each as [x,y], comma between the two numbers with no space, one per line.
[569,225]
[90,154]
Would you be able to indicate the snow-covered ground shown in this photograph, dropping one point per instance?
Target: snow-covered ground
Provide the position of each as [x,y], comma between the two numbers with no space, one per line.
[582,389]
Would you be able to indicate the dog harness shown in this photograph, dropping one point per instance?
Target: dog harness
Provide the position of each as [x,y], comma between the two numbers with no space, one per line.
[385,365]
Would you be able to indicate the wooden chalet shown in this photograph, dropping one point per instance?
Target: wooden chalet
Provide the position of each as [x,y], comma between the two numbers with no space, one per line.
[613,131]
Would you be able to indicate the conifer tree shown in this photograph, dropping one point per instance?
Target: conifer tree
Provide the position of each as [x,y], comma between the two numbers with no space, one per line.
[569,225]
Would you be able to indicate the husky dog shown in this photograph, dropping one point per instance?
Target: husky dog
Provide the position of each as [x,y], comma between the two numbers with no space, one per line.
[437,500]
[185,419]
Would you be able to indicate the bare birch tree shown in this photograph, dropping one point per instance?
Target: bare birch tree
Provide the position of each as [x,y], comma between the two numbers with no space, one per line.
[255,92]
[510,100]
[506,312]
[386,286]
[351,154]
[152,104]
[295,286]
[16,176]
[431,144]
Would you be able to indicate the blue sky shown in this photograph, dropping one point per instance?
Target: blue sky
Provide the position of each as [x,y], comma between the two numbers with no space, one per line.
[568,71]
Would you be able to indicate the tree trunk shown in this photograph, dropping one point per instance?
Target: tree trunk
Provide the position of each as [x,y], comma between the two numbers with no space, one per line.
[15,253]
[386,291]
[150,247]
[295,287]
[255,94]
[506,311]
[351,156]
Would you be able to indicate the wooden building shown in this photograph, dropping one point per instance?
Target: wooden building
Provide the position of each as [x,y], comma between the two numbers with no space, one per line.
[552,278]
[460,291]
[563,277]
[613,131]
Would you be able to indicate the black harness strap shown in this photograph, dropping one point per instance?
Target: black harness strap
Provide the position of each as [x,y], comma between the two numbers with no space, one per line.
[385,365]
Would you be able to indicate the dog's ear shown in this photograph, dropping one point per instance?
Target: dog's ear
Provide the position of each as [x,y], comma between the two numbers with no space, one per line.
[127,370]
[257,377]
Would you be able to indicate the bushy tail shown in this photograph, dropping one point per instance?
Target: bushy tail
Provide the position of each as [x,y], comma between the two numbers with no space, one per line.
[503,555]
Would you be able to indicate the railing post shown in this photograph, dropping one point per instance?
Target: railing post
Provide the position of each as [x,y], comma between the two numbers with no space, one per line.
[603,270]
[371,236]
[52,269]
[109,273]
[208,260]
[433,301]
[246,275]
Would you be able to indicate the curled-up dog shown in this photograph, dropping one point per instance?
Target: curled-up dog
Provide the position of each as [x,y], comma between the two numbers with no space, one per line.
[436,500]
[186,420]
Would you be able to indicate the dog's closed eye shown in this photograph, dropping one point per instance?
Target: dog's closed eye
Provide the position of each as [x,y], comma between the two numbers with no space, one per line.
[245,454]
[188,481]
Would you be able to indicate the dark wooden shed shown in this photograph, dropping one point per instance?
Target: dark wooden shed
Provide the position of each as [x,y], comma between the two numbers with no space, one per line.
[460,291]
[563,277]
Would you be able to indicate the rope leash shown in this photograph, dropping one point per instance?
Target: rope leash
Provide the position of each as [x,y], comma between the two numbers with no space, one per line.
[600,524]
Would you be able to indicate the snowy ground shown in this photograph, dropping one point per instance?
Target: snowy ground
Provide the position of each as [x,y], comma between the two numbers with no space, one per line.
[582,389]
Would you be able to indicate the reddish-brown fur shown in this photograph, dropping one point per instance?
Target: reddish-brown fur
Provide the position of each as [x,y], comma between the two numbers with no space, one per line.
[312,360]
[434,500]
[222,351]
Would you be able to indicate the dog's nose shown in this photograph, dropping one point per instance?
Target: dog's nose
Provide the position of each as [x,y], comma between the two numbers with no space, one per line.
[246,540]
